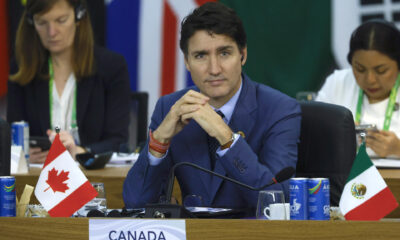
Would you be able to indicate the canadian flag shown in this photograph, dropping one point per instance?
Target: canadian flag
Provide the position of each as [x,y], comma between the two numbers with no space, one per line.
[62,188]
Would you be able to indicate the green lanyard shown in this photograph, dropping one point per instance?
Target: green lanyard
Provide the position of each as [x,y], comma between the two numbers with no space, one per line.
[389,108]
[73,117]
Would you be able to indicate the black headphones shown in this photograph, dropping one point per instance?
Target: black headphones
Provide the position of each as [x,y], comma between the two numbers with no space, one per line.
[79,10]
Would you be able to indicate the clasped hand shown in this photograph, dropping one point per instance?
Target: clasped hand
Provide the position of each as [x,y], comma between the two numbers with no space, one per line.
[192,106]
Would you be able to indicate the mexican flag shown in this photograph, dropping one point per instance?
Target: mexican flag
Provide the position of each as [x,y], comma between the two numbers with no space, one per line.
[366,195]
[62,187]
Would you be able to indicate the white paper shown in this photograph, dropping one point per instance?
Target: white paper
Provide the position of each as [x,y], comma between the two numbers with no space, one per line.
[386,163]
[123,158]
[207,209]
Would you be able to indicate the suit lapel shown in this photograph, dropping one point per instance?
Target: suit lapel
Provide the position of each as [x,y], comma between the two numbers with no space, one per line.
[243,119]
[244,116]
[84,88]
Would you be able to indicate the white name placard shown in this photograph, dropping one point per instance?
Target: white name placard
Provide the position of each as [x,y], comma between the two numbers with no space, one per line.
[136,229]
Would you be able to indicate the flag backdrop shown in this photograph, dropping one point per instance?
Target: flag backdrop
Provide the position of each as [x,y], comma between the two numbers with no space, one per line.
[147,34]
[366,195]
[3,48]
[288,48]
[292,44]
[62,188]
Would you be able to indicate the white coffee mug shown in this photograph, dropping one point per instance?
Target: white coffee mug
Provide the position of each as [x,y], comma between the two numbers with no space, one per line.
[267,198]
[277,211]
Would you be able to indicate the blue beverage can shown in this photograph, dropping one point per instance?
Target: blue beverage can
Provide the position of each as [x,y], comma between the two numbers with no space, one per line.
[7,196]
[298,199]
[318,199]
[20,136]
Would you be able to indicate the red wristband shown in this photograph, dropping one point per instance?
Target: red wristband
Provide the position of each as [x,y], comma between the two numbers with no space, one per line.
[156,145]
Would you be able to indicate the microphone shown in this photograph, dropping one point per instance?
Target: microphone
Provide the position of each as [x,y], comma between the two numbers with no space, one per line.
[167,210]
[281,176]
[97,213]
[114,213]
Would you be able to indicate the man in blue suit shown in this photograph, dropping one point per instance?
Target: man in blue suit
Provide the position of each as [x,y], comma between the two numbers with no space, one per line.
[185,124]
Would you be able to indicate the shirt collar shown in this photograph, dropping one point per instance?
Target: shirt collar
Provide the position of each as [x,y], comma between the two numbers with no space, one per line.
[228,107]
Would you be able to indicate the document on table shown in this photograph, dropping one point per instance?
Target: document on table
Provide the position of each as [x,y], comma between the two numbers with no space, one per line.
[117,160]
[207,209]
[123,158]
[386,162]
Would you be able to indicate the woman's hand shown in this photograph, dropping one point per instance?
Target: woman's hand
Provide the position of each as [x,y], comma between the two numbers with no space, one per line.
[68,141]
[384,143]
[36,155]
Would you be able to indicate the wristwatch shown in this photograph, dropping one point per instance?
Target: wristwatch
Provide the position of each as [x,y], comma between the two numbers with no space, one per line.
[229,143]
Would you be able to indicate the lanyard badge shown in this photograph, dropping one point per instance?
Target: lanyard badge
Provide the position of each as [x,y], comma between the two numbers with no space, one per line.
[73,129]
[389,109]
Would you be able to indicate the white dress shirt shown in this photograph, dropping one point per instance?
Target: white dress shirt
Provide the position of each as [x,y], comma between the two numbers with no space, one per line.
[61,112]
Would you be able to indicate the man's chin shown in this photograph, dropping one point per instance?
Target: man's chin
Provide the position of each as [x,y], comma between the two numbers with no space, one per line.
[215,95]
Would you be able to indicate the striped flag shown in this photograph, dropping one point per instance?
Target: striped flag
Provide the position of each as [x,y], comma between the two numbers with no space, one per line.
[62,187]
[366,195]
[147,33]
[3,48]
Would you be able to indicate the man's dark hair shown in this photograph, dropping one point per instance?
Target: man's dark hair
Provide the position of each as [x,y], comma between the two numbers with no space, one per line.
[215,18]
[378,35]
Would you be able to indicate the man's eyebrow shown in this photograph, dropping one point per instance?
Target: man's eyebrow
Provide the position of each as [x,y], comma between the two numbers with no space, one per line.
[199,52]
[219,49]
[223,48]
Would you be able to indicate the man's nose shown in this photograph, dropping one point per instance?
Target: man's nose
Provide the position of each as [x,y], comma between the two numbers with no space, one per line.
[215,67]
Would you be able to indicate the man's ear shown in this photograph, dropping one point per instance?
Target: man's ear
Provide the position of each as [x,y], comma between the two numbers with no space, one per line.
[186,63]
[243,58]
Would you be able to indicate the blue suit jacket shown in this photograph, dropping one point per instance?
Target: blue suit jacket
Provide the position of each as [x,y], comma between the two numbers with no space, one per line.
[270,121]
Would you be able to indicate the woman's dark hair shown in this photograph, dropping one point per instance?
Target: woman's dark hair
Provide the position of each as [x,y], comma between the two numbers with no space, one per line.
[30,54]
[378,35]
[215,18]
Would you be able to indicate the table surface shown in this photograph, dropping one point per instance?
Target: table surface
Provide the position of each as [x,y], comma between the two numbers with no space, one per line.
[113,179]
[112,176]
[108,171]
[390,173]
[77,228]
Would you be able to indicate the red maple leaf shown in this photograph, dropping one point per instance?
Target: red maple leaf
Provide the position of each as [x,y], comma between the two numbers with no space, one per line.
[56,181]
